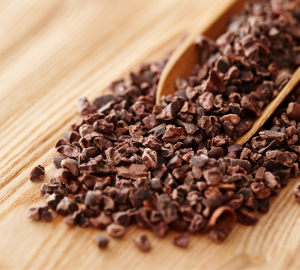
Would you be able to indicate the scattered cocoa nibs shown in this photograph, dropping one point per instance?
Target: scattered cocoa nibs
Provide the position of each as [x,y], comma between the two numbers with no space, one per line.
[174,165]
[37,174]
[101,241]
[142,242]
[182,240]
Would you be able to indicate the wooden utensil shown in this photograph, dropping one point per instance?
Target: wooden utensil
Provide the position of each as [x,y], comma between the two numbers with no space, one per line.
[186,56]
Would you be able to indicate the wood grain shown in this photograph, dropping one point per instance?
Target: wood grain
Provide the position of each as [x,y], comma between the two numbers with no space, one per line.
[53,51]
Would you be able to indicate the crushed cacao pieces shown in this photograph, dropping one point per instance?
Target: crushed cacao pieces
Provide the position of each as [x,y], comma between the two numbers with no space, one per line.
[37,174]
[174,165]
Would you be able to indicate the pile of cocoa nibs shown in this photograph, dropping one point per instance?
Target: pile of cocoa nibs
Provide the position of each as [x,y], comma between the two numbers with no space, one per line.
[174,165]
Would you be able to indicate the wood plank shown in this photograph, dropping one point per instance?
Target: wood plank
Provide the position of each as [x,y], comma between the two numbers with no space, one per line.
[54,51]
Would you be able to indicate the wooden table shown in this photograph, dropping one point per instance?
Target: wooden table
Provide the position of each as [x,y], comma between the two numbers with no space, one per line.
[54,51]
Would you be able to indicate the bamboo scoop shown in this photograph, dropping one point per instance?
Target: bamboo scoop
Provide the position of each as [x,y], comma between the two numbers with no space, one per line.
[186,56]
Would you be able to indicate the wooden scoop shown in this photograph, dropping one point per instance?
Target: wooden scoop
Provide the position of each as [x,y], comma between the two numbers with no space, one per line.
[213,24]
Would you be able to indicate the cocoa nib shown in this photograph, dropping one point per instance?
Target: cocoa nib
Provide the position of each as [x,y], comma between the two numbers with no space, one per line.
[66,206]
[212,176]
[247,216]
[174,134]
[171,111]
[214,83]
[40,213]
[167,208]
[134,171]
[101,221]
[182,240]
[57,161]
[52,200]
[101,241]
[250,104]
[293,111]
[115,230]
[221,223]
[84,107]
[138,196]
[37,174]
[141,241]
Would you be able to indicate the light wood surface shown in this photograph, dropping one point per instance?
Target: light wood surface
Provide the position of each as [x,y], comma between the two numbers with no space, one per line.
[54,51]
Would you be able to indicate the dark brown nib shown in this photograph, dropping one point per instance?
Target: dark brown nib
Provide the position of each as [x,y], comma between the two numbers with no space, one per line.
[175,165]
[37,174]
[40,213]
[182,240]
[142,242]
[101,241]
